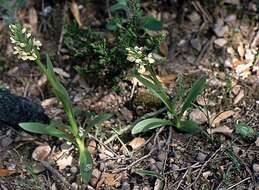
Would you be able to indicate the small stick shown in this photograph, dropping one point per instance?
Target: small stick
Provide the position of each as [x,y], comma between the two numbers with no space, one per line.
[55,172]
[204,165]
[231,187]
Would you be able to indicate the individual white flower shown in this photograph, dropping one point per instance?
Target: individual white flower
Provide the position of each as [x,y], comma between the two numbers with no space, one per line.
[150,58]
[131,58]
[37,43]
[23,30]
[28,35]
[138,61]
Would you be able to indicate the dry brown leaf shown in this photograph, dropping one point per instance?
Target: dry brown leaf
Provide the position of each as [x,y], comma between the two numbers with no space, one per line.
[222,116]
[61,72]
[198,116]
[164,49]
[257,141]
[41,152]
[6,172]
[240,95]
[167,79]
[225,130]
[137,143]
[64,161]
[92,147]
[49,102]
[33,20]
[42,81]
[204,101]
[75,12]
[110,180]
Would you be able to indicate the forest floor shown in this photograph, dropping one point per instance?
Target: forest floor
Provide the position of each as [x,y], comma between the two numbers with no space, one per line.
[219,40]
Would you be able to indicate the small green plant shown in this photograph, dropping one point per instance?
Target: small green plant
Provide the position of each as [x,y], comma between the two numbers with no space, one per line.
[27,48]
[9,9]
[145,61]
[101,51]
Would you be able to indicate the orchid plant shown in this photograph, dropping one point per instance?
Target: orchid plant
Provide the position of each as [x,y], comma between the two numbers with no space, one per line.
[28,48]
[145,73]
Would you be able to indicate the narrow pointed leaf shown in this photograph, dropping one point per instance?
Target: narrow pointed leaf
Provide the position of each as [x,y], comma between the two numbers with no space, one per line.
[189,126]
[44,129]
[157,91]
[144,173]
[98,120]
[196,89]
[149,124]
[151,23]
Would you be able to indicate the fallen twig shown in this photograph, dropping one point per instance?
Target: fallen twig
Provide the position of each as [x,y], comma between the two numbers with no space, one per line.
[55,172]
[231,187]
[203,166]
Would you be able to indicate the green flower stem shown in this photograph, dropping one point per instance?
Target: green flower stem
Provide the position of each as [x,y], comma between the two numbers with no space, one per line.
[158,84]
[71,118]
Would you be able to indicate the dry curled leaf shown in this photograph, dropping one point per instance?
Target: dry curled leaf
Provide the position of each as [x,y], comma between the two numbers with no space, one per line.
[64,161]
[167,79]
[137,143]
[6,172]
[257,141]
[110,180]
[75,12]
[41,152]
[222,116]
[225,130]
[61,72]
[164,49]
[240,95]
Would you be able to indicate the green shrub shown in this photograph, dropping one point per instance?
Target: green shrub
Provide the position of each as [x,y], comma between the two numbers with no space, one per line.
[108,52]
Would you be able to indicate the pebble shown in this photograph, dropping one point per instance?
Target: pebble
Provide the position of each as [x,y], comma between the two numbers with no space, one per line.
[220,30]
[196,44]
[73,170]
[201,157]
[198,116]
[37,168]
[232,2]
[256,168]
[125,186]
[194,17]
[231,19]
[220,42]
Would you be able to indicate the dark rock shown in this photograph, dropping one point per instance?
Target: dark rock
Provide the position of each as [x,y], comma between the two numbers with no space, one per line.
[15,109]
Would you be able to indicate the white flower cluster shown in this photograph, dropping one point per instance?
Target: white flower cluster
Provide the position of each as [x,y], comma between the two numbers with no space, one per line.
[136,55]
[25,46]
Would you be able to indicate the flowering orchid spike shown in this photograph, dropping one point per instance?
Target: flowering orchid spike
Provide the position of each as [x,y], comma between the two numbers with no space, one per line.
[26,47]
[136,55]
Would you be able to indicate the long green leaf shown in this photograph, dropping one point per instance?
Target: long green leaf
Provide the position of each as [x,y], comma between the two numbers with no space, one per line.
[99,119]
[151,23]
[58,88]
[189,126]
[148,124]
[158,91]
[60,91]
[196,89]
[44,129]
[144,173]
